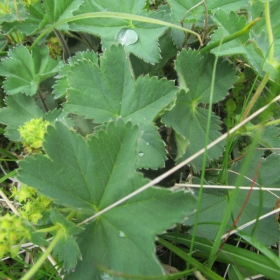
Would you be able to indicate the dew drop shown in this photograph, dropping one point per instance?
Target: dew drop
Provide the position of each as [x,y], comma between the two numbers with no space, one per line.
[105,276]
[121,234]
[147,143]
[126,37]
[141,154]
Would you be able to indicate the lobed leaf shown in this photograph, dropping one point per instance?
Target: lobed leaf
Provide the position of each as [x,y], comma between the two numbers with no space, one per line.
[91,176]
[146,44]
[110,91]
[256,53]
[187,117]
[57,10]
[24,71]
[31,23]
[20,109]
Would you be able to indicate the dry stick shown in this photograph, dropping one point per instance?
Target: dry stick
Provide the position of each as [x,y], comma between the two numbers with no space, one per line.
[17,12]
[180,165]
[252,222]
[187,185]
[193,7]
[9,203]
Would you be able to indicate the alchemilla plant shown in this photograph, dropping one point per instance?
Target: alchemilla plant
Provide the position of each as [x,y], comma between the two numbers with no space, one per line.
[140,139]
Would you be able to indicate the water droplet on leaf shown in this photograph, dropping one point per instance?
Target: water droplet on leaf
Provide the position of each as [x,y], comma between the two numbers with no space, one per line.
[106,276]
[121,234]
[147,143]
[141,154]
[126,37]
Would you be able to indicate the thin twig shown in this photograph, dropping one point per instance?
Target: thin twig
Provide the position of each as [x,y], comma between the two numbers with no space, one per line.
[186,185]
[252,222]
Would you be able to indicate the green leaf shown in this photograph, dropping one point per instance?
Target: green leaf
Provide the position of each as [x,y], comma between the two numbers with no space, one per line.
[67,248]
[110,91]
[228,24]
[260,247]
[186,8]
[260,35]
[270,137]
[196,264]
[61,86]
[58,115]
[3,42]
[145,47]
[20,109]
[35,14]
[257,52]
[57,10]
[213,207]
[214,202]
[235,274]
[179,9]
[186,118]
[10,14]
[67,251]
[195,75]
[91,176]
[227,5]
[168,51]
[268,174]
[24,70]
[151,148]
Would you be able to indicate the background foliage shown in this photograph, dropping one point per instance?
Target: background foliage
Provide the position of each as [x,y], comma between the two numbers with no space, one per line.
[127,90]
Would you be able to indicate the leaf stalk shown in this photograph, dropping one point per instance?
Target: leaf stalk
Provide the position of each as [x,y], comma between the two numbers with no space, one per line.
[230,37]
[114,15]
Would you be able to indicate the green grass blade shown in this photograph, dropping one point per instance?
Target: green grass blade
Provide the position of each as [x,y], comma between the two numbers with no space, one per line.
[231,254]
[200,267]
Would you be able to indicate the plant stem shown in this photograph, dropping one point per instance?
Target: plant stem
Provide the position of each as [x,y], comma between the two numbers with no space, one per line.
[271,55]
[256,96]
[7,176]
[42,100]
[49,229]
[113,15]
[66,51]
[231,201]
[42,259]
[16,8]
[269,31]
[230,37]
[199,200]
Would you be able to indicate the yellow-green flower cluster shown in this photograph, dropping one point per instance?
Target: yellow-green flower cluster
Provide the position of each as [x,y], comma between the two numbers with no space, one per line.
[32,133]
[12,234]
[33,203]
[55,48]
